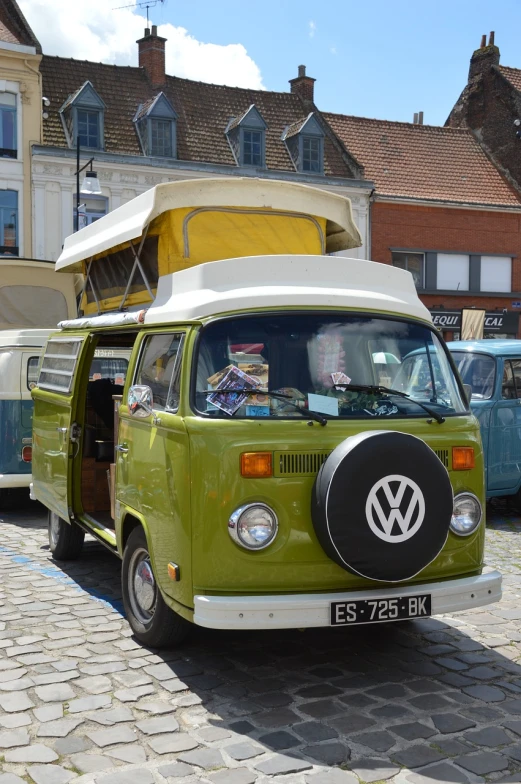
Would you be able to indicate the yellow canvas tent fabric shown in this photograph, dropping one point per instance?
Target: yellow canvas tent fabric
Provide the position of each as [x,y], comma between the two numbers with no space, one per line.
[191,236]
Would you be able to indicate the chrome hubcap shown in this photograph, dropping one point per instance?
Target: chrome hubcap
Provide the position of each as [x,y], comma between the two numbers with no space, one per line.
[54,528]
[142,586]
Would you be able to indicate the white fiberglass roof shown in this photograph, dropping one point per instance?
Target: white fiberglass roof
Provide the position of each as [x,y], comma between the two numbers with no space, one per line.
[129,221]
[257,282]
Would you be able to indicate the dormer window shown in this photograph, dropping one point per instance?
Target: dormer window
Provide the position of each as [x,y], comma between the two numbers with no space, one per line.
[155,123]
[304,141]
[246,137]
[82,116]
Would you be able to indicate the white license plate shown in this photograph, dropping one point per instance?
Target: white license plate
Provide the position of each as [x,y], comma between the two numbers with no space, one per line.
[380,610]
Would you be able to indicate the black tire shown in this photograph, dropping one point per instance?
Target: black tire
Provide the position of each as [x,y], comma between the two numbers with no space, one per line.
[151,619]
[65,539]
[382,505]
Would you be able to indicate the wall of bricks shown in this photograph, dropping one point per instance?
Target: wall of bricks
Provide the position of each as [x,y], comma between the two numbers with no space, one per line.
[411,227]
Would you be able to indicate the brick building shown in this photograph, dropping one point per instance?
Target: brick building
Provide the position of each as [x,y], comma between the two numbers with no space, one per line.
[443,210]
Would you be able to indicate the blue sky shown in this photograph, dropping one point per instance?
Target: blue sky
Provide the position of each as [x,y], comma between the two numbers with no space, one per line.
[374,59]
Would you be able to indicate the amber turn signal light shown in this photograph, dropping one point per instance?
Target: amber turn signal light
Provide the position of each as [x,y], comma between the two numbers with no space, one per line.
[256,465]
[462,458]
[173,572]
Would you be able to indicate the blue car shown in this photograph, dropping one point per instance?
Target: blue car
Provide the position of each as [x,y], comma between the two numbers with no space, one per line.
[492,370]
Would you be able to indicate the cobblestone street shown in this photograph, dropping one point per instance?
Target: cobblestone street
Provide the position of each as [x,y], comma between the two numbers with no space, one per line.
[411,702]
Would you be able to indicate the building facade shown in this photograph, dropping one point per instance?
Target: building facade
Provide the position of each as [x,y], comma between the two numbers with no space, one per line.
[444,211]
[20,127]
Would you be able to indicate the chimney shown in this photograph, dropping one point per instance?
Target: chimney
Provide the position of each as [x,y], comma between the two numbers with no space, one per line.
[415,118]
[303,85]
[152,56]
[484,58]
[420,118]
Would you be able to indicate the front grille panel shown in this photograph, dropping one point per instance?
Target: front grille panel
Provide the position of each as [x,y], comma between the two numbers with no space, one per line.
[299,463]
[309,463]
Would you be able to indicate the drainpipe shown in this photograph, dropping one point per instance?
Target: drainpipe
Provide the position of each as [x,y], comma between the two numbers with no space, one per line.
[370,224]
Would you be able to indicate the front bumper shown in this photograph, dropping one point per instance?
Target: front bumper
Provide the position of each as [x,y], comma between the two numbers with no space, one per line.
[300,611]
[15,480]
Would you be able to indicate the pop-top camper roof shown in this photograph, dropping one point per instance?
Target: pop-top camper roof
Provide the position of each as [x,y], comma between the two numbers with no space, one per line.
[32,295]
[176,226]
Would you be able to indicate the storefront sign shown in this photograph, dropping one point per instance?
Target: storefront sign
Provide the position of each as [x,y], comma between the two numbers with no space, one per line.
[495,321]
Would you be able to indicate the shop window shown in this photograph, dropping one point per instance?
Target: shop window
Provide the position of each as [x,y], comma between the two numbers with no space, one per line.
[8,141]
[496,273]
[413,263]
[453,272]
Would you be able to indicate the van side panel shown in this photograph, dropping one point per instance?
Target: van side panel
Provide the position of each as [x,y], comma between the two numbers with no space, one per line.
[51,427]
[11,434]
[153,478]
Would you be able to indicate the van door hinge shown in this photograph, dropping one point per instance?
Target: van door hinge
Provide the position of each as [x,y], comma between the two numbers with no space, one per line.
[75,433]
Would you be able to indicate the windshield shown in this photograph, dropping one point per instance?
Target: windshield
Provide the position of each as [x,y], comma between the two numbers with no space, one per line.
[286,365]
[478,371]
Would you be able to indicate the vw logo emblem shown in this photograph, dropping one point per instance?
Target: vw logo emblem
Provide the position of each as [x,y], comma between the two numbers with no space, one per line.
[395,502]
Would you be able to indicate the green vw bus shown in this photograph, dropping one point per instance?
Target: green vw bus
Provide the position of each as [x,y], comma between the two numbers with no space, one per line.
[262,462]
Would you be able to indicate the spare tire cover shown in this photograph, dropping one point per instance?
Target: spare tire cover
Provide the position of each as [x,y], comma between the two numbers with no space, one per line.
[382,505]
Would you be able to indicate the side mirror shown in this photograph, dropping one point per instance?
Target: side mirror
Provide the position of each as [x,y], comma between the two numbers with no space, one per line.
[140,401]
[468,392]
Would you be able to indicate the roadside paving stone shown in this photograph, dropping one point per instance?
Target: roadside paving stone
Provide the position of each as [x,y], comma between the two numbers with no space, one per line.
[483,763]
[451,722]
[50,774]
[173,743]
[235,776]
[35,753]
[378,741]
[243,751]
[334,776]
[135,776]
[333,753]
[489,736]
[90,763]
[133,695]
[485,693]
[10,778]
[210,734]
[276,741]
[93,702]
[413,731]
[14,738]
[282,764]
[158,725]
[203,758]
[131,754]
[95,684]
[14,720]
[48,713]
[176,770]
[12,703]
[155,707]
[55,693]
[111,736]
[370,769]
[114,716]
[59,728]
[416,756]
[314,731]
[443,771]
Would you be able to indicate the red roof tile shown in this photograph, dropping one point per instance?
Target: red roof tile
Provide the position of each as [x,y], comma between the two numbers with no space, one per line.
[512,74]
[203,110]
[423,161]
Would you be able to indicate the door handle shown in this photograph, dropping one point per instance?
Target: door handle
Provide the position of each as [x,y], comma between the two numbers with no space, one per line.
[62,429]
[121,448]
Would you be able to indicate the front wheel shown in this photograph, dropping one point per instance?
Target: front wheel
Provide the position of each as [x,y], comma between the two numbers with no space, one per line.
[152,621]
[65,539]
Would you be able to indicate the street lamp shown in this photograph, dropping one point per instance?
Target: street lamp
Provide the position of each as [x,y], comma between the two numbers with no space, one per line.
[90,186]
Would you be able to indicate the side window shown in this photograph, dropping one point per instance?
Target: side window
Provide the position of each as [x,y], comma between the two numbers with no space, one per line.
[59,363]
[32,371]
[159,369]
[516,370]
[508,389]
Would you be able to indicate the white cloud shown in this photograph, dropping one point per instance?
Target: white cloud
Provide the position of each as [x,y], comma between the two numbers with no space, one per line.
[93,30]
[312,28]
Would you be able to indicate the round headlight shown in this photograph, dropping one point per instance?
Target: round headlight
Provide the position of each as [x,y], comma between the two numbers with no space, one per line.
[253,526]
[466,515]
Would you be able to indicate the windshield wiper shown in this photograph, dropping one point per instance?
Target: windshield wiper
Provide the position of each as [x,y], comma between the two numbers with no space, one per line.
[304,411]
[387,390]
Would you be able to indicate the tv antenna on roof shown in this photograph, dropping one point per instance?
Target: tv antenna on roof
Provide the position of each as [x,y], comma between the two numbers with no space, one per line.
[145,4]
